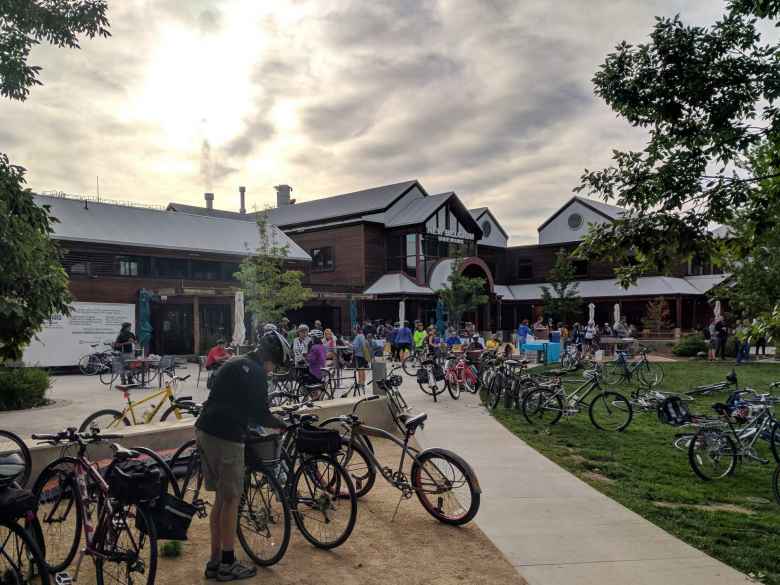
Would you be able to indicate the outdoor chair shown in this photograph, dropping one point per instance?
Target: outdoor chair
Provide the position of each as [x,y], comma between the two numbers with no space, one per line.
[167,366]
[201,367]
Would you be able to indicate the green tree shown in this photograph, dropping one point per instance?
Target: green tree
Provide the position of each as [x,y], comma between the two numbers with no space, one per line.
[706,96]
[270,290]
[461,293]
[561,299]
[33,284]
[657,315]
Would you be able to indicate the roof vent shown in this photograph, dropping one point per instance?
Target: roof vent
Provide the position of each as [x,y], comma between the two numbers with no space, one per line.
[242,195]
[209,197]
[283,195]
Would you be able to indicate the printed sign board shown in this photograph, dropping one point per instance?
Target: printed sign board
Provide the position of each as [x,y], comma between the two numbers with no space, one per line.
[63,340]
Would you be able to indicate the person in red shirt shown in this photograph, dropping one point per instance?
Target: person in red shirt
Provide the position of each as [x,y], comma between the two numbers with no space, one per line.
[218,355]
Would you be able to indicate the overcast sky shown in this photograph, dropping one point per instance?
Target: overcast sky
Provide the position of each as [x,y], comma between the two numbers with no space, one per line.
[491,99]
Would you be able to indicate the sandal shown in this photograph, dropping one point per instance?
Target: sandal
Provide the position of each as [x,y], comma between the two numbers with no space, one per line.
[235,572]
[212,568]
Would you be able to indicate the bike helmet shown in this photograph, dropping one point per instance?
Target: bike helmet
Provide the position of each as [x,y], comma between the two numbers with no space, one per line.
[315,334]
[274,348]
[12,465]
[268,327]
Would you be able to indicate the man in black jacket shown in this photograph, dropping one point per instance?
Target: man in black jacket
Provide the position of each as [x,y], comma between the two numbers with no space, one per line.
[238,400]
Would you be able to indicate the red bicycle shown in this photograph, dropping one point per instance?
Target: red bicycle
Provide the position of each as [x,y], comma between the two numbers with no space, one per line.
[459,375]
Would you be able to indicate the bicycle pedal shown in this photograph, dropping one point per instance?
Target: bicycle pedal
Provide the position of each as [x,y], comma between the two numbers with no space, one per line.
[63,579]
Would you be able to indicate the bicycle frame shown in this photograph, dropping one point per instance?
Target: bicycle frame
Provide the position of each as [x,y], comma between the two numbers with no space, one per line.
[165,393]
[765,419]
[574,400]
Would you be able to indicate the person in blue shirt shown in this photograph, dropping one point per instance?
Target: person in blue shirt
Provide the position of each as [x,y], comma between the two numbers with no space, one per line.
[522,333]
[392,340]
[403,340]
[452,339]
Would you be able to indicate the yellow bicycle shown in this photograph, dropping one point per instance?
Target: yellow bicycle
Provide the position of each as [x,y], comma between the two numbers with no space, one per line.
[180,407]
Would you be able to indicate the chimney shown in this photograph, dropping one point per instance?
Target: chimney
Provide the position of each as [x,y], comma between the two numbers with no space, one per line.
[242,195]
[283,195]
[209,197]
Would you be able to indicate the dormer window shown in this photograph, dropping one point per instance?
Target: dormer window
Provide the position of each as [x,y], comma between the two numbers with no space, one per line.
[575,221]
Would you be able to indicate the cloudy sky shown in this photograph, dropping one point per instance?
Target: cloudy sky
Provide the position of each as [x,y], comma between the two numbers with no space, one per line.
[489,98]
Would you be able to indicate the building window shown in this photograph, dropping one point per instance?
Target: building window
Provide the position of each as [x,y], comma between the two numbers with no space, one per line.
[322,259]
[447,219]
[525,269]
[575,221]
[203,270]
[171,268]
[129,266]
[486,228]
[580,268]
[78,268]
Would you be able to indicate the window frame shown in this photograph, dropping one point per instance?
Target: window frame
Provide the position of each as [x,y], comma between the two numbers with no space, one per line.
[323,268]
[529,263]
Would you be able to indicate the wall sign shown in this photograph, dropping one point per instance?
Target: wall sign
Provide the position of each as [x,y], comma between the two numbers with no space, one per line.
[63,340]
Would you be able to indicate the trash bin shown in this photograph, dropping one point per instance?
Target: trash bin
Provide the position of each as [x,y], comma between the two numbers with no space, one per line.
[378,372]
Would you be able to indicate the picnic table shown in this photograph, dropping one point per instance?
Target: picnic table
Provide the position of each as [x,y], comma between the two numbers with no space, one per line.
[143,366]
[548,351]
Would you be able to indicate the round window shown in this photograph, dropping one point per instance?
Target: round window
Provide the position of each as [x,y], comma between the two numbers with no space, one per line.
[575,221]
[486,227]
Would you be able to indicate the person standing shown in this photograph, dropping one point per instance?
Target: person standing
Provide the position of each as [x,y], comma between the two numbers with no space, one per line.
[708,333]
[361,352]
[301,345]
[522,333]
[742,337]
[238,400]
[590,335]
[125,345]
[403,340]
[419,337]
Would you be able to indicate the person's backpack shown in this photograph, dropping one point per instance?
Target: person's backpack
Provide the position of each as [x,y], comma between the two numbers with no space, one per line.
[673,411]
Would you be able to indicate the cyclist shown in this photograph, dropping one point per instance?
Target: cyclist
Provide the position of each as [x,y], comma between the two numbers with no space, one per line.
[300,345]
[125,345]
[403,340]
[419,337]
[237,400]
[316,358]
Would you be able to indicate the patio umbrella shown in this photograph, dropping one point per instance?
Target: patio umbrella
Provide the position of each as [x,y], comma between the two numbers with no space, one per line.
[591,313]
[440,325]
[617,313]
[144,318]
[353,313]
[718,309]
[402,312]
[239,327]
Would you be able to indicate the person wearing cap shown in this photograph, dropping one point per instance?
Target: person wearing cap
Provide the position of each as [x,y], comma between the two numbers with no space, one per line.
[125,345]
[315,357]
[217,355]
[301,344]
[238,399]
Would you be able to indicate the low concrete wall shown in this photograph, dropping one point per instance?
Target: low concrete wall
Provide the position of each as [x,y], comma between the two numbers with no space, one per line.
[170,435]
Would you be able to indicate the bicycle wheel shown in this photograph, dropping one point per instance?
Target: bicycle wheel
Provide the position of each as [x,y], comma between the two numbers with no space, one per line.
[21,561]
[89,364]
[410,365]
[127,543]
[186,467]
[170,414]
[322,514]
[263,519]
[542,406]
[104,420]
[495,389]
[774,442]
[11,443]
[446,486]
[613,373]
[357,463]
[108,376]
[60,512]
[711,454]
[650,373]
[431,386]
[454,388]
[776,484]
[610,411]
[683,441]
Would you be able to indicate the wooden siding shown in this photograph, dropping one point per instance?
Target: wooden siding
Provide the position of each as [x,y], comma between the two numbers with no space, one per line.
[348,249]
[375,253]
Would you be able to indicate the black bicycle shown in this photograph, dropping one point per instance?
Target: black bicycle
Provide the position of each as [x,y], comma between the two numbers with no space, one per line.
[621,370]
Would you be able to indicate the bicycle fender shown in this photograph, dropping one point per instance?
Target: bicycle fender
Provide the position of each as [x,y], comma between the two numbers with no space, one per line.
[459,459]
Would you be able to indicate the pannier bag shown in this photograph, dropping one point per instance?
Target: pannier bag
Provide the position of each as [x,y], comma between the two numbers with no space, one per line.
[171,516]
[673,411]
[16,502]
[12,465]
[422,376]
[313,440]
[134,482]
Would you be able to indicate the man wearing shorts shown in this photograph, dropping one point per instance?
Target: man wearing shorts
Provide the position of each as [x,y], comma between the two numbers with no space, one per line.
[238,400]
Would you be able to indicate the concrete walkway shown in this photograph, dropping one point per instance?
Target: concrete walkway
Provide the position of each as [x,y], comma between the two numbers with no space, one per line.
[554,528]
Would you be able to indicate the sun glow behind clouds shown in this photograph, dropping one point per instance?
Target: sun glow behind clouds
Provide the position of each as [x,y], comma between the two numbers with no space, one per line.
[198,85]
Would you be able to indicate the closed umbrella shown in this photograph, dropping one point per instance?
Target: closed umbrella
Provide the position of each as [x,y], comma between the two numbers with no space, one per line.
[591,313]
[239,327]
[402,312]
[353,313]
[144,318]
[718,309]
[617,313]
[440,325]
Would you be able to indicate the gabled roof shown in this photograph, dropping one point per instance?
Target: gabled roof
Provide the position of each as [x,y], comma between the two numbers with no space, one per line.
[604,209]
[417,211]
[107,223]
[478,212]
[396,283]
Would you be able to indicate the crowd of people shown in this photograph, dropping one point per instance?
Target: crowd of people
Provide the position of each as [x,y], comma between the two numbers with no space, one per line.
[718,333]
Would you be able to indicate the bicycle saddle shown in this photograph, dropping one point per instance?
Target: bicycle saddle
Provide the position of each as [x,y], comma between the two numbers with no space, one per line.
[122,454]
[126,387]
[309,418]
[414,422]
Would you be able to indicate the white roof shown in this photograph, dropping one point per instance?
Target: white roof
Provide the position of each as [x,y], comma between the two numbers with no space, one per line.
[440,273]
[107,223]
[396,283]
[705,282]
[645,286]
[503,291]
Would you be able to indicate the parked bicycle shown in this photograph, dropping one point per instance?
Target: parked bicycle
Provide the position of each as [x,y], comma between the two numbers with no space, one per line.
[443,482]
[96,362]
[608,410]
[622,370]
[74,498]
[114,419]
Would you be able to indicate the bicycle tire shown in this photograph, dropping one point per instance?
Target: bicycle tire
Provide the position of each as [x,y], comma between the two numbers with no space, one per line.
[613,373]
[117,416]
[24,454]
[63,499]
[264,517]
[87,365]
[171,412]
[453,387]
[651,373]
[108,377]
[539,402]
[494,391]
[146,528]
[419,480]
[776,483]
[410,364]
[618,402]
[186,461]
[329,488]
[774,442]
[25,567]
[718,439]
[361,471]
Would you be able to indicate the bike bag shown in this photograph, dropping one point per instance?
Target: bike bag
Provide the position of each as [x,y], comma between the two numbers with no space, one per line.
[313,440]
[262,450]
[134,481]
[673,411]
[171,516]
[16,502]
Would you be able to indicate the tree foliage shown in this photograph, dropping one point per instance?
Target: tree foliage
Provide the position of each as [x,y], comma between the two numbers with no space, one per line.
[657,315]
[33,284]
[270,290]
[561,299]
[706,96]
[461,293]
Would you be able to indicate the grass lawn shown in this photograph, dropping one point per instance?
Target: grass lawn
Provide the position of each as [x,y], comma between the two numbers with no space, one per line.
[734,519]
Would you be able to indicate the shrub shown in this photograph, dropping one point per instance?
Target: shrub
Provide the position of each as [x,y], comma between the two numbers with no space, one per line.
[23,388]
[690,346]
